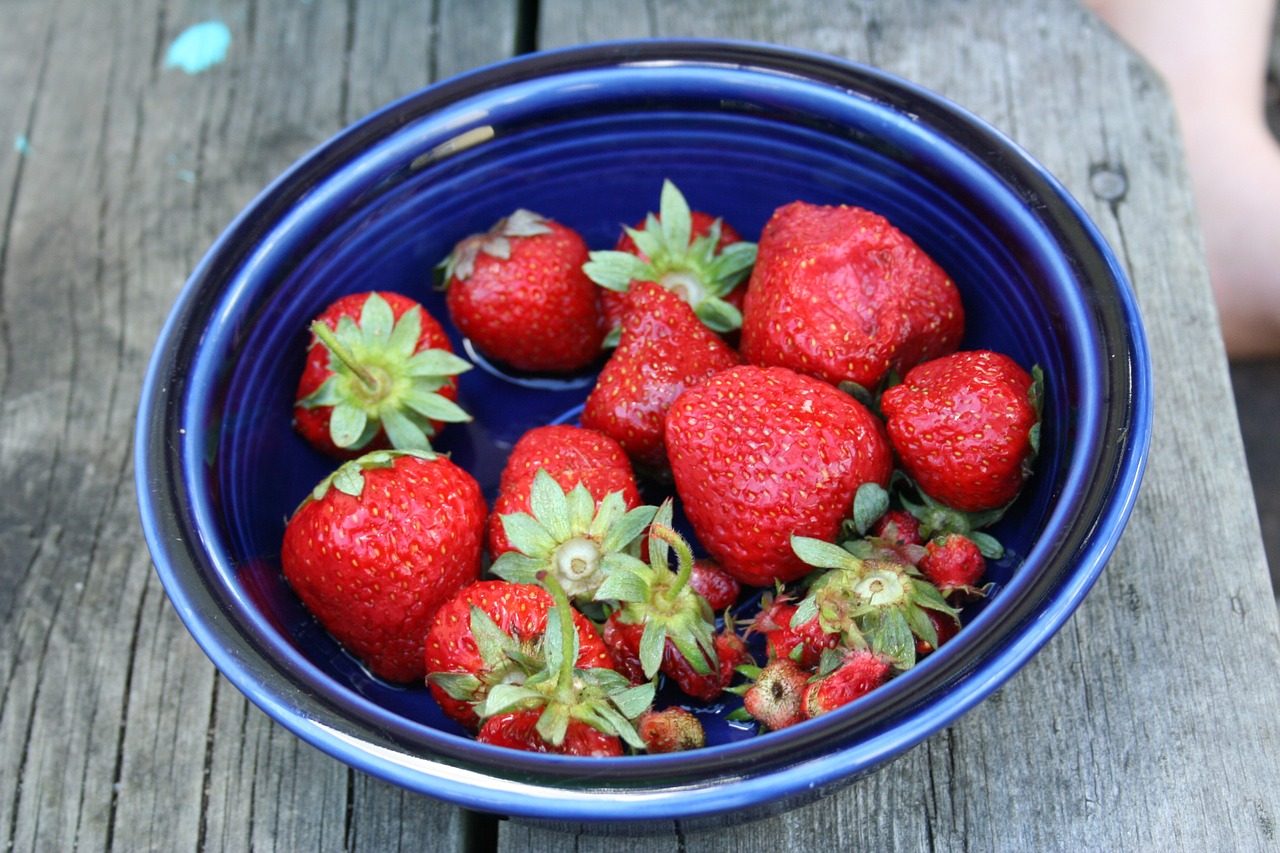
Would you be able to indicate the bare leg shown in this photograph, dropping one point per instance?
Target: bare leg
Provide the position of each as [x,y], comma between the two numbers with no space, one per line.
[1213,55]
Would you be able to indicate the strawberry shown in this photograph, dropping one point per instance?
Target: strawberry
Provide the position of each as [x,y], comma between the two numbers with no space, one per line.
[378,546]
[718,587]
[776,698]
[944,627]
[571,455]
[965,428]
[875,603]
[761,453]
[841,294]
[553,709]
[672,729]
[572,537]
[897,528]
[519,730]
[664,349]
[802,641]
[658,621]
[380,373]
[953,563]
[490,633]
[695,255]
[855,673]
[519,294]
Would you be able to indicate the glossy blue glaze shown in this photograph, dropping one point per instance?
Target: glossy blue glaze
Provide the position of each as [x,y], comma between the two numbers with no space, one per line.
[586,136]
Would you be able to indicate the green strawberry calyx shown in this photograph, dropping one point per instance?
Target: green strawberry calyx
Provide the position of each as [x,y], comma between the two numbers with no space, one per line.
[505,660]
[692,267]
[567,536]
[379,381]
[598,696]
[663,601]
[348,478]
[877,604]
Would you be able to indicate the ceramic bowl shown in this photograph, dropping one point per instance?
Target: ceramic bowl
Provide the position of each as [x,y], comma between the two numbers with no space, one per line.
[586,136]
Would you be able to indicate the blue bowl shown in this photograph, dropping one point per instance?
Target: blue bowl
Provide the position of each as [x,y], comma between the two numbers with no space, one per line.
[586,136]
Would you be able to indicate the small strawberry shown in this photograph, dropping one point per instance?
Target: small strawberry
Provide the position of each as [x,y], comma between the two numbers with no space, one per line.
[880,604]
[571,455]
[854,673]
[944,627]
[697,256]
[897,528]
[953,563]
[552,710]
[519,293]
[379,546]
[841,294]
[672,729]
[658,621]
[776,698]
[966,428]
[490,633]
[761,453]
[802,641]
[718,587]
[380,373]
[571,537]
[663,350]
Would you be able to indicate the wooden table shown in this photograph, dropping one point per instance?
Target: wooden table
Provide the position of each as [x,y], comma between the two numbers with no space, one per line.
[1151,722]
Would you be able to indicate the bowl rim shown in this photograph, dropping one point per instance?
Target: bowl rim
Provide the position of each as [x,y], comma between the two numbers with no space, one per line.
[553,786]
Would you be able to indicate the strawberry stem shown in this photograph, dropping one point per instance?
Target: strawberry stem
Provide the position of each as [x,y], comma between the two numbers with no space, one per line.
[684,558]
[568,656]
[339,349]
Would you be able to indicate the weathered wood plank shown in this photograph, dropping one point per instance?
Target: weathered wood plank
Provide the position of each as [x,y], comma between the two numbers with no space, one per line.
[1013,775]
[117,174]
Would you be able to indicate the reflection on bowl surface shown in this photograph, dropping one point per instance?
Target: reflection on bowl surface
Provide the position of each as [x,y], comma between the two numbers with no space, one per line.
[586,136]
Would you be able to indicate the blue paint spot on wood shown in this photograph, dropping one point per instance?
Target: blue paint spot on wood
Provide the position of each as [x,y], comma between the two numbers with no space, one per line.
[199,47]
[22,145]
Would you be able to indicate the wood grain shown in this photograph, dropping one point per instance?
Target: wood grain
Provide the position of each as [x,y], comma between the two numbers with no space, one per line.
[117,174]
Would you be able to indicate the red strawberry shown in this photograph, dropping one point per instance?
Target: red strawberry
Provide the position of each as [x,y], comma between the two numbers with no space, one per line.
[966,428]
[897,528]
[671,730]
[553,709]
[695,255]
[881,604]
[760,454]
[519,293]
[490,633]
[858,673]
[841,294]
[944,627]
[519,730]
[718,587]
[664,349]
[776,699]
[659,623]
[380,373]
[571,455]
[378,546]
[802,641]
[953,563]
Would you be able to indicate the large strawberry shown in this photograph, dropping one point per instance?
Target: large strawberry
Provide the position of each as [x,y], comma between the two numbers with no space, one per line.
[378,546]
[841,294]
[966,428]
[563,707]
[491,632]
[572,455]
[693,254]
[760,454]
[519,293]
[664,349]
[380,373]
